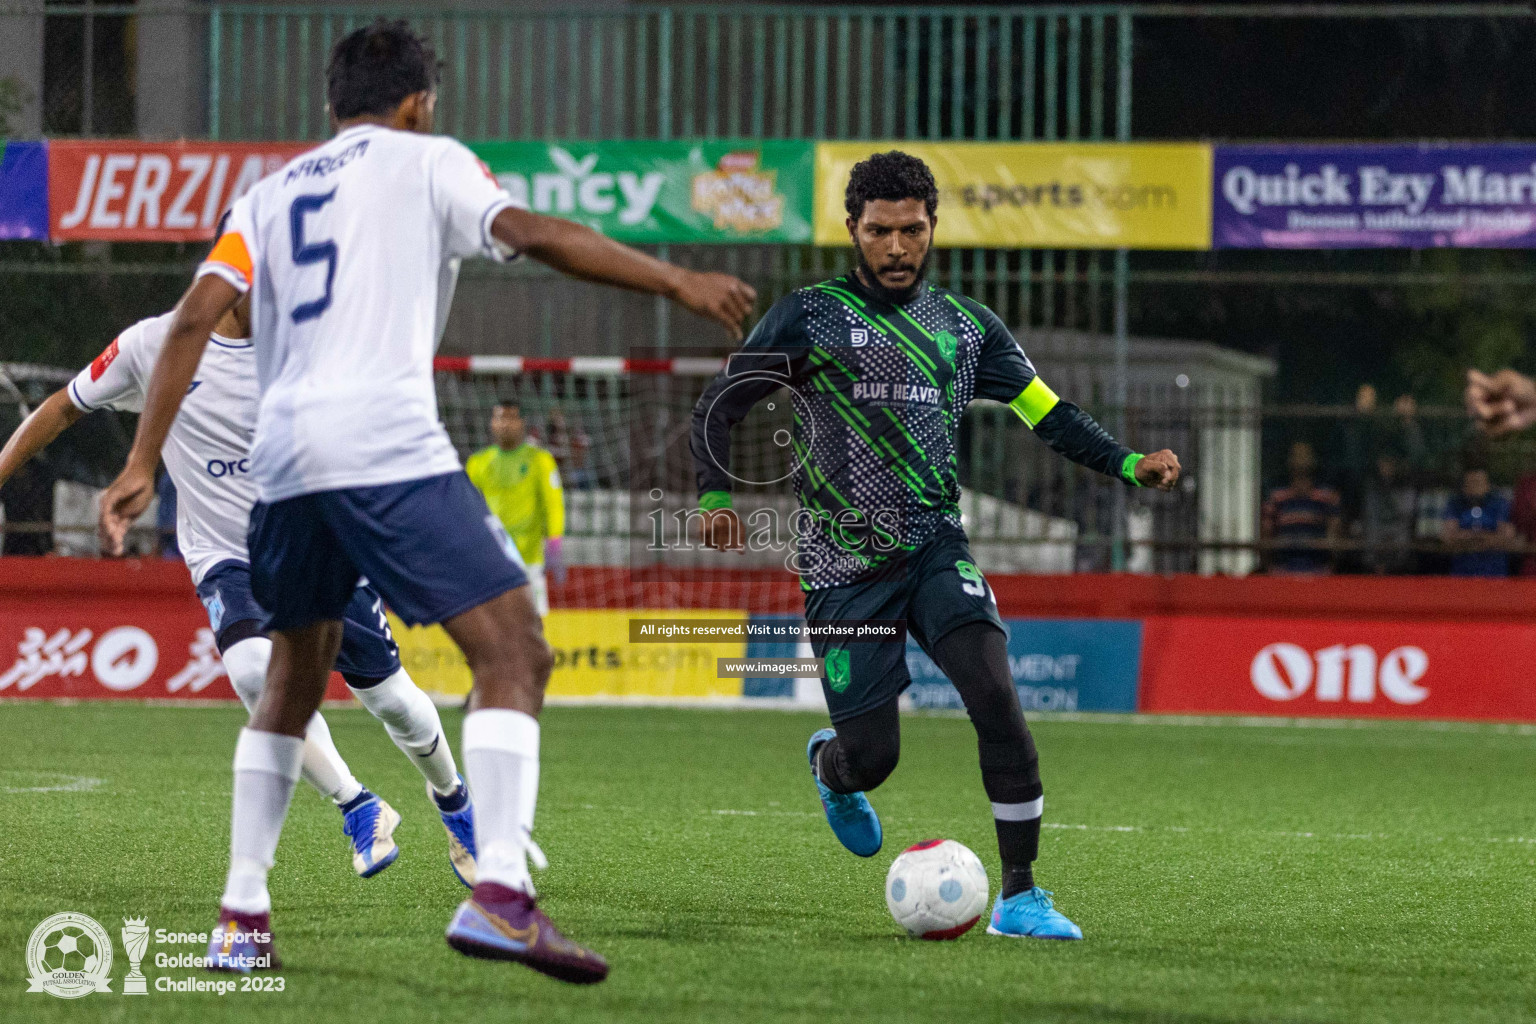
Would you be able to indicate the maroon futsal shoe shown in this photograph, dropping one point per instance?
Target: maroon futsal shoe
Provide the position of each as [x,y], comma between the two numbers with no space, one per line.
[498,923]
[242,943]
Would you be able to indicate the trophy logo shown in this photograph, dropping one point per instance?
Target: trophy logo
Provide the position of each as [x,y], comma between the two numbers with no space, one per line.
[135,938]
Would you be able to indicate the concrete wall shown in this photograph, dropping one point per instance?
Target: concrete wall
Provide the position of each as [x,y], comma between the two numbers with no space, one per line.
[172,86]
[21,59]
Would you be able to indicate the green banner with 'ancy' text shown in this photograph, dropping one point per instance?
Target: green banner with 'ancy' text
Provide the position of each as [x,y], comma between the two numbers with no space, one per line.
[688,191]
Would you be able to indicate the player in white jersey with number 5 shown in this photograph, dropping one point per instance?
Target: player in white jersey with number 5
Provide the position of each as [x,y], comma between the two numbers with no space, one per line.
[208,457]
[349,254]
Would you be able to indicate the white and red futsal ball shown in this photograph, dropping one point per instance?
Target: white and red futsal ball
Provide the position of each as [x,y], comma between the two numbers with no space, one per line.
[936,889]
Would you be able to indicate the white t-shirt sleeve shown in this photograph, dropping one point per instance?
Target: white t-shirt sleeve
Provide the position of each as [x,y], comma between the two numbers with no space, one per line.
[112,381]
[467,198]
[234,255]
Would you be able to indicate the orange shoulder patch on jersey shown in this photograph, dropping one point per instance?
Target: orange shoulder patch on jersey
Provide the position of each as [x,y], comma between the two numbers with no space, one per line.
[232,252]
[100,363]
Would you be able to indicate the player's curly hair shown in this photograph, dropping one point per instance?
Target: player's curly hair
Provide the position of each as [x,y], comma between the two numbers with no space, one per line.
[893,175]
[373,69]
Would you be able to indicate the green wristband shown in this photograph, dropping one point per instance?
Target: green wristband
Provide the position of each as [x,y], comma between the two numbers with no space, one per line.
[1128,469]
[711,500]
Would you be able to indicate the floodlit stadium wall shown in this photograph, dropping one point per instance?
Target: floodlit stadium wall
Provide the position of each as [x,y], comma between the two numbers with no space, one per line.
[1419,648]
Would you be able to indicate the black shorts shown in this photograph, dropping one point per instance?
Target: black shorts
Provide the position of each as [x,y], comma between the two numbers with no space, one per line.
[936,589]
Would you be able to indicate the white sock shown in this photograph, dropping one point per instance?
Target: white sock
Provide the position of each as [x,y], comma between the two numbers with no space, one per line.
[323,766]
[324,769]
[411,719]
[501,757]
[266,768]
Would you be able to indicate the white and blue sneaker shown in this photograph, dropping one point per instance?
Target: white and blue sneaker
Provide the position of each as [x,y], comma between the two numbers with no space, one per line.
[853,820]
[1030,914]
[370,824]
[460,825]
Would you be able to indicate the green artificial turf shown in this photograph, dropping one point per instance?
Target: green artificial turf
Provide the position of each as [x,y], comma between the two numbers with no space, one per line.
[1221,871]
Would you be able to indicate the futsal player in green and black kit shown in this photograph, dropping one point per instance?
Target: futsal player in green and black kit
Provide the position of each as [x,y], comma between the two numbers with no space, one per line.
[882,365]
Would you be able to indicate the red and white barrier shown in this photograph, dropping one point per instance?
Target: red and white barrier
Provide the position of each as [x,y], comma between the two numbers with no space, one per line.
[612,366]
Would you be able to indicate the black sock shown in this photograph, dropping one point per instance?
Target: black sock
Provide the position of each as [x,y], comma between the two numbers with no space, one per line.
[1017,878]
[1019,844]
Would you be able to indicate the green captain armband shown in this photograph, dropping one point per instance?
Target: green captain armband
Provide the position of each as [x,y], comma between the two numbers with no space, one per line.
[711,500]
[1034,402]
[1128,469]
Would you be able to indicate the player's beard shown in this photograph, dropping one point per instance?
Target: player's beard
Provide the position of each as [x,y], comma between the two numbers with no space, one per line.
[895,296]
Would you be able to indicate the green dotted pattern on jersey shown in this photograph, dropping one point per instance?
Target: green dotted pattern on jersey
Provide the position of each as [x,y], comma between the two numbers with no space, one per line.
[874,455]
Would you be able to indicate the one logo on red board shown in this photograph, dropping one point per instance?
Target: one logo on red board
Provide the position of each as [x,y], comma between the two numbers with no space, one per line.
[1354,672]
[99,366]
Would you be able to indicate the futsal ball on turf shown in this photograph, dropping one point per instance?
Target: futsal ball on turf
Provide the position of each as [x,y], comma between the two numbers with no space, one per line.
[936,889]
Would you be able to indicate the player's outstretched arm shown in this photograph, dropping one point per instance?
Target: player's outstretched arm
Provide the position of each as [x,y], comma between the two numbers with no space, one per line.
[56,415]
[199,312]
[583,253]
[1501,403]
[1074,434]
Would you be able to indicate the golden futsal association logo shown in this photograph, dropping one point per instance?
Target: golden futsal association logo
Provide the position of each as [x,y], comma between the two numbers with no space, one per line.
[69,955]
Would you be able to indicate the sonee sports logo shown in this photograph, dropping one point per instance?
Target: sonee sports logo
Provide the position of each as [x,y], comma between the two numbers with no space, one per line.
[1285,672]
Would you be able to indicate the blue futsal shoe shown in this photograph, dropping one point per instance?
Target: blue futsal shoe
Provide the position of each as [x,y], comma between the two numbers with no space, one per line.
[370,823]
[1030,915]
[853,820]
[460,825]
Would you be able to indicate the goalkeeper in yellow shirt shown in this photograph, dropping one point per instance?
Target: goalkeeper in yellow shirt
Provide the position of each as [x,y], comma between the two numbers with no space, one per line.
[521,485]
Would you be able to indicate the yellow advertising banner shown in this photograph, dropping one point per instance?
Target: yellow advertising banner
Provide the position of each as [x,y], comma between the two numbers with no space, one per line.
[1043,195]
[593,657]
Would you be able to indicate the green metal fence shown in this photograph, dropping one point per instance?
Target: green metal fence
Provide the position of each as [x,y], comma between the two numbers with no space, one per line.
[1049,73]
[708,71]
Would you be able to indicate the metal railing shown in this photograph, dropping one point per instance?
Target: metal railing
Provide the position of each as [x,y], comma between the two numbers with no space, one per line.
[1061,72]
[1026,509]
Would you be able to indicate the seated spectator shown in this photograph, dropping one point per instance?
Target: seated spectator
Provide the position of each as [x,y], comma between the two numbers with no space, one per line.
[1524,517]
[1478,527]
[1305,512]
[1388,517]
[29,507]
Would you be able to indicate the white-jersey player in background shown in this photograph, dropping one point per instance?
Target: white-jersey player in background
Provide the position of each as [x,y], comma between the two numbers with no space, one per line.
[348,254]
[207,455]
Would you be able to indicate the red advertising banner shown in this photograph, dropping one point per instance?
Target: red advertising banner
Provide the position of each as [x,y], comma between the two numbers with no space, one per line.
[99,630]
[1339,667]
[121,191]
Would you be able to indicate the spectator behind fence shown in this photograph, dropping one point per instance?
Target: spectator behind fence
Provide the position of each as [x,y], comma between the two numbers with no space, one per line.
[571,448]
[1305,512]
[28,501]
[1478,527]
[1524,517]
[1388,516]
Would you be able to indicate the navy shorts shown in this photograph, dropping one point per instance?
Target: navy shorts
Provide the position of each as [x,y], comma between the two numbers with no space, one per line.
[429,546]
[936,589]
[368,650]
